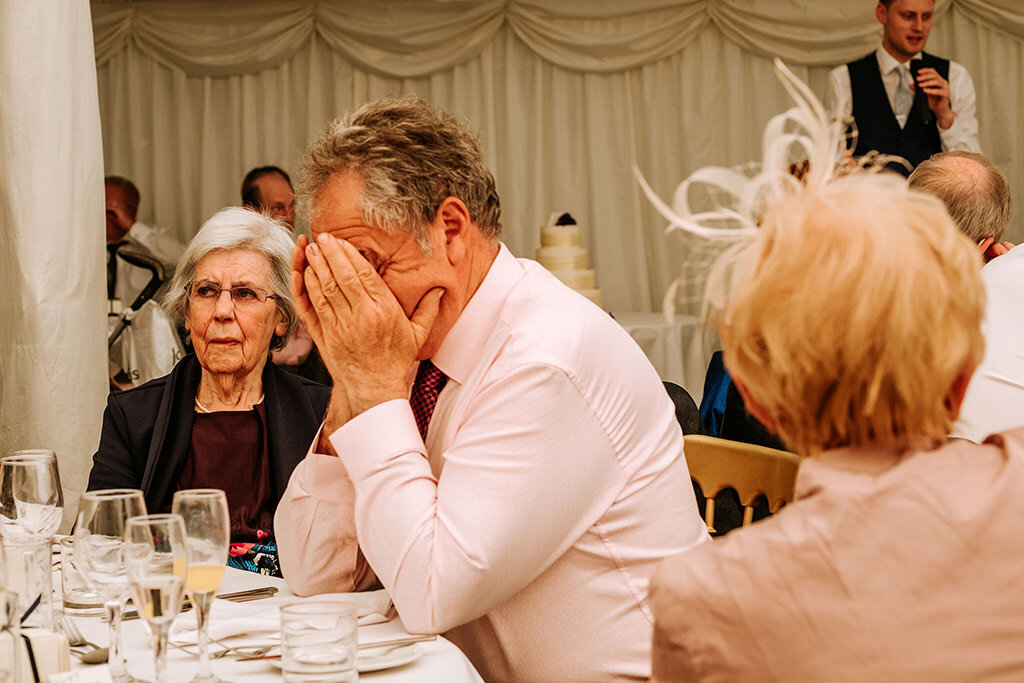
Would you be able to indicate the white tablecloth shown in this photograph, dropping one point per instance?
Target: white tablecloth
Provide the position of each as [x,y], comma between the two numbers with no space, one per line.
[441,661]
[675,350]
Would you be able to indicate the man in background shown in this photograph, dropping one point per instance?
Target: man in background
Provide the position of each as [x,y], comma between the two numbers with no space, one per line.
[977,196]
[878,91]
[269,189]
[124,231]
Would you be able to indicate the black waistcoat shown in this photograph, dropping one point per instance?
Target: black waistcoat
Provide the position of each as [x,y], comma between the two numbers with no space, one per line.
[876,123]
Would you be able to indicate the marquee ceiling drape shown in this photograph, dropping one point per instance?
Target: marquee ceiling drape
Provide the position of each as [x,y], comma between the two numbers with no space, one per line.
[566,96]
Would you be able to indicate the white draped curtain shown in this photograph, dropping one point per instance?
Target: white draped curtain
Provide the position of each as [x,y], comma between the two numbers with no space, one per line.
[567,95]
[52,351]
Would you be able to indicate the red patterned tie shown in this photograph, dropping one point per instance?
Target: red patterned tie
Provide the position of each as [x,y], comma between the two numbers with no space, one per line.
[428,384]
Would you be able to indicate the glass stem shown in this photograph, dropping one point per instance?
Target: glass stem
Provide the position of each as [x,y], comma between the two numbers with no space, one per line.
[160,634]
[201,602]
[116,664]
[14,628]
[41,560]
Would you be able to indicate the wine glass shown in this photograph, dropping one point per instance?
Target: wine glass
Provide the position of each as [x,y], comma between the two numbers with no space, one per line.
[31,506]
[155,556]
[99,547]
[207,535]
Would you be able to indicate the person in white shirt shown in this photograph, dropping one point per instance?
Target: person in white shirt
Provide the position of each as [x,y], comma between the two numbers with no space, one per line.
[876,92]
[977,195]
[125,281]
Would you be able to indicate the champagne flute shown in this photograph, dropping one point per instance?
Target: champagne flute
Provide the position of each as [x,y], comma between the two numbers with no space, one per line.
[207,535]
[31,506]
[155,558]
[99,547]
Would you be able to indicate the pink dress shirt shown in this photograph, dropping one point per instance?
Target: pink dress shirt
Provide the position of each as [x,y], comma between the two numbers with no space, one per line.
[527,527]
[886,568]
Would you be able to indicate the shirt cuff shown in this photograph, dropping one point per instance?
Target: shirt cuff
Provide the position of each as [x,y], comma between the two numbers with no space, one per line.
[376,435]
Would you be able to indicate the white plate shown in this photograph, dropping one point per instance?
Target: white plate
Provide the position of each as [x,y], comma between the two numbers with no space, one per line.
[387,659]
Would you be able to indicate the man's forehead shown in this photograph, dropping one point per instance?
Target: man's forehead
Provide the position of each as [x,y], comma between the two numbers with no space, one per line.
[914,6]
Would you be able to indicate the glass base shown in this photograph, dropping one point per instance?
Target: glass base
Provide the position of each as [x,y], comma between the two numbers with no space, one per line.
[206,679]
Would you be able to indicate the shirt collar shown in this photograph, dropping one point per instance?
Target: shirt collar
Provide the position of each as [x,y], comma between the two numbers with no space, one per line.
[886,62]
[461,347]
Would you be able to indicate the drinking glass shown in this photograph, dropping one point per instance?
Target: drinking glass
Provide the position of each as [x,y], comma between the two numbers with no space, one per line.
[155,557]
[207,535]
[318,640]
[9,624]
[99,549]
[31,506]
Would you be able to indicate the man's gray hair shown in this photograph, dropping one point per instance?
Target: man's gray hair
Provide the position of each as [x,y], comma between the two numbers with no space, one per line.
[410,157]
[975,192]
[231,229]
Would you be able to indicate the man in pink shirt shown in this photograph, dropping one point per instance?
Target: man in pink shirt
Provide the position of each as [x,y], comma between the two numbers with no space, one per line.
[852,334]
[523,513]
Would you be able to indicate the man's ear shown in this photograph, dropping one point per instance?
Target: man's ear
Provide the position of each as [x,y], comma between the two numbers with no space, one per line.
[453,218]
[955,396]
[753,407]
[881,13]
[985,244]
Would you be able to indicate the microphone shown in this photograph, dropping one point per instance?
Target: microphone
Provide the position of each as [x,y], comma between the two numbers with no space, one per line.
[921,108]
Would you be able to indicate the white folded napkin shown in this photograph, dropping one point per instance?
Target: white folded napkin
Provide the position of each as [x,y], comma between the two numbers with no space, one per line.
[260,622]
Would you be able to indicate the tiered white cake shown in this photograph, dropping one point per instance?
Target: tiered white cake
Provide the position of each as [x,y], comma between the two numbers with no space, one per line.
[561,252]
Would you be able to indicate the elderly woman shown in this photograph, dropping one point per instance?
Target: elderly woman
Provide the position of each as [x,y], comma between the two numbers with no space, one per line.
[853,335]
[223,418]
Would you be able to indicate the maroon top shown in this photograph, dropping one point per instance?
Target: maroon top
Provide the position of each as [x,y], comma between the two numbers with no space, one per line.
[229,451]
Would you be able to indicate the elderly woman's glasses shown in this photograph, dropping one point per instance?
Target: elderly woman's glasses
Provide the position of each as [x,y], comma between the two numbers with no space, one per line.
[207,293]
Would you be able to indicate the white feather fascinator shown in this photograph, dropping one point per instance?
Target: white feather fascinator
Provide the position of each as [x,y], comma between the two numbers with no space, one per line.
[716,210]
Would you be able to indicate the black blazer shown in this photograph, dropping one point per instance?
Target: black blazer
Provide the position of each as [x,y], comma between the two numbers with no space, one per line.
[147,430]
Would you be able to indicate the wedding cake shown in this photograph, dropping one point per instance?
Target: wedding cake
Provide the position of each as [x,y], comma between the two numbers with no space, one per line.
[561,252]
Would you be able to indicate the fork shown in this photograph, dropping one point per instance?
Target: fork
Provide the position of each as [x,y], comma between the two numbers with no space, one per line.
[244,651]
[67,628]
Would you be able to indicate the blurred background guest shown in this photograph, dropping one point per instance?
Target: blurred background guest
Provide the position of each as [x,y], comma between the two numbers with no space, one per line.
[975,193]
[125,280]
[899,558]
[269,189]
[977,196]
[224,417]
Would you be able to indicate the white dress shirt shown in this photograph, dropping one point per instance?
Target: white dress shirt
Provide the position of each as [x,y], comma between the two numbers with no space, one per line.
[995,397]
[962,135]
[527,527]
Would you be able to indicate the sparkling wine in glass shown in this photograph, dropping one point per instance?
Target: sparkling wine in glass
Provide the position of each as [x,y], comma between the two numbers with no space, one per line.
[207,535]
[155,557]
[99,547]
[31,506]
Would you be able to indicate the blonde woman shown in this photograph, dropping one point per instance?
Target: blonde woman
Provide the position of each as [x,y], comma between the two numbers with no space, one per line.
[853,334]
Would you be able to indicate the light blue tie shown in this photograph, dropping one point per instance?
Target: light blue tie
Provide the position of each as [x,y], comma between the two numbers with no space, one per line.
[904,98]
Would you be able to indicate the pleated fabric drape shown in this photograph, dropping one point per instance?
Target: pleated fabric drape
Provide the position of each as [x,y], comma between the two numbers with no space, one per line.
[52,351]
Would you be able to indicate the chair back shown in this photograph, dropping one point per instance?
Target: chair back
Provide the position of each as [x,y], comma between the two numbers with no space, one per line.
[718,464]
